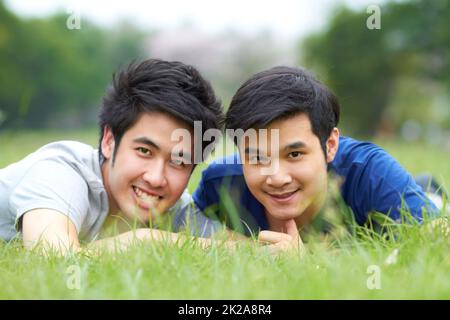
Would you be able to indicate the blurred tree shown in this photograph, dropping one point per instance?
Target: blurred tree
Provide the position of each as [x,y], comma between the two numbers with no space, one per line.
[369,68]
[11,75]
[54,76]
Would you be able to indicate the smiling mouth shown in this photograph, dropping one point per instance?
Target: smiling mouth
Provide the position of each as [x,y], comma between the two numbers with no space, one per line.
[282,196]
[146,200]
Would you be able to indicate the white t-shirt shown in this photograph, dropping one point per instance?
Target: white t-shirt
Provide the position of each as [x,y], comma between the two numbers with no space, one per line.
[65,176]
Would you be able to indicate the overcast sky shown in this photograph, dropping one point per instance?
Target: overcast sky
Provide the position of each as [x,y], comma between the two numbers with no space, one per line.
[286,18]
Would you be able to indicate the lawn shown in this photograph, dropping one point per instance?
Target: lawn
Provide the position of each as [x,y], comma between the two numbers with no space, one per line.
[413,264]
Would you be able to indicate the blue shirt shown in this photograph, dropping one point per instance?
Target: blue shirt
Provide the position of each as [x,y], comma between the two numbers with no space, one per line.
[373,181]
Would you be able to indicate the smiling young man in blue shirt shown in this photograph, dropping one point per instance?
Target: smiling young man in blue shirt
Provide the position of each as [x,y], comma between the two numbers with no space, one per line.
[300,139]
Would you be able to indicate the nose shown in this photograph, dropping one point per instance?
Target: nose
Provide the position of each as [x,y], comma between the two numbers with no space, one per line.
[279,178]
[155,174]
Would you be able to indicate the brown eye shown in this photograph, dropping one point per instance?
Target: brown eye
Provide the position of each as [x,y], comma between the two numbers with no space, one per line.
[144,151]
[295,154]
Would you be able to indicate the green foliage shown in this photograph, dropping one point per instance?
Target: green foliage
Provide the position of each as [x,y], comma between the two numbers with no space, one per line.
[54,76]
[367,67]
[412,267]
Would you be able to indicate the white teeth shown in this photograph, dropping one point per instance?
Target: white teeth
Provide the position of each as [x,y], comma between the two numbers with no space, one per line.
[145,196]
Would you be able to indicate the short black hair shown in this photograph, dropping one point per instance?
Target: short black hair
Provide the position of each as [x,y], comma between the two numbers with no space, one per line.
[154,85]
[280,93]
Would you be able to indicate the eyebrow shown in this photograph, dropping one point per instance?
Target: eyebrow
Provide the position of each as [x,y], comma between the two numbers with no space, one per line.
[147,142]
[295,145]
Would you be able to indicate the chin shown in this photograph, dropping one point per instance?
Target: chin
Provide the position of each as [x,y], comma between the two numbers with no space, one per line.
[284,214]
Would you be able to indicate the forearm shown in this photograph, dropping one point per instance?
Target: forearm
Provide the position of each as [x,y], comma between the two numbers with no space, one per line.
[133,237]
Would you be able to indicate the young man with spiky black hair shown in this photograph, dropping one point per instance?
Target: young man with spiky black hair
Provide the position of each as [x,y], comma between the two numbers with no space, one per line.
[66,191]
[279,180]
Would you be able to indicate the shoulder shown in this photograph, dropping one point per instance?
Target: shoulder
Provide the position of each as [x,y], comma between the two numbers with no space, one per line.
[74,156]
[67,149]
[63,170]
[352,152]
[366,167]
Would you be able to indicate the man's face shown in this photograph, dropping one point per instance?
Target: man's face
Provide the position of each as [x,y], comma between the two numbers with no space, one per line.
[296,189]
[150,171]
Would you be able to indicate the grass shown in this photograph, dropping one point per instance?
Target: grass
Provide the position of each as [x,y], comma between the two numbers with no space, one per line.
[331,270]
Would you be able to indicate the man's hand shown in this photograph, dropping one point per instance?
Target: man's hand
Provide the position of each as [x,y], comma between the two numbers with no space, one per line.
[287,241]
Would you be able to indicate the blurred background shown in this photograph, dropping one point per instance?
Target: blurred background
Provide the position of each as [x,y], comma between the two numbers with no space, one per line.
[57,57]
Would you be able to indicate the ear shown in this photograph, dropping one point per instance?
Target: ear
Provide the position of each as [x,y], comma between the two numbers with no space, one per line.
[332,144]
[107,143]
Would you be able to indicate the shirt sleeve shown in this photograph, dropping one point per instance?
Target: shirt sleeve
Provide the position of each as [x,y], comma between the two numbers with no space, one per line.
[54,185]
[188,216]
[381,184]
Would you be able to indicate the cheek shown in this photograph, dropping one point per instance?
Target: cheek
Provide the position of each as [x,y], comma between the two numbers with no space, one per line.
[253,178]
[126,170]
[312,174]
[178,180]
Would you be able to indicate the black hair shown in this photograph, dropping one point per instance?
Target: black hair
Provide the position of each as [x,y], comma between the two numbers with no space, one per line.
[154,85]
[281,93]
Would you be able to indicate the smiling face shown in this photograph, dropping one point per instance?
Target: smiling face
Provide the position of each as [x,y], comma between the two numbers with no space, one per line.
[297,189]
[149,172]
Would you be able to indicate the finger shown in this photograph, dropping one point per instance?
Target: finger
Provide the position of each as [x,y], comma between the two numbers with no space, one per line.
[291,228]
[273,237]
[281,247]
[275,247]
[284,247]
